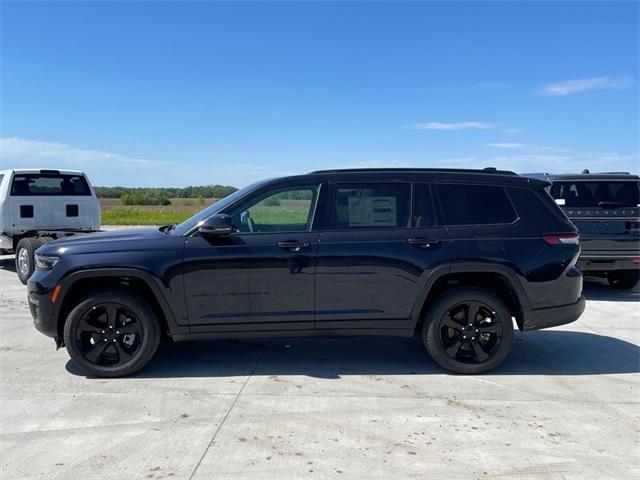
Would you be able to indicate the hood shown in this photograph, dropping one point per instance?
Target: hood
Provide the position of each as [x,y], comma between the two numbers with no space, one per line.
[130,239]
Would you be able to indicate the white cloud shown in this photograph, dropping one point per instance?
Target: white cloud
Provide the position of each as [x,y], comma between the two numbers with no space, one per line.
[506,145]
[108,169]
[452,126]
[552,163]
[512,130]
[570,87]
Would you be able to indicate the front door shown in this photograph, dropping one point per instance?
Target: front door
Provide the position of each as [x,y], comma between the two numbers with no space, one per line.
[262,276]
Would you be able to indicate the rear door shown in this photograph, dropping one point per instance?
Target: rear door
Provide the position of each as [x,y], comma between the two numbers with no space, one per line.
[375,254]
[606,213]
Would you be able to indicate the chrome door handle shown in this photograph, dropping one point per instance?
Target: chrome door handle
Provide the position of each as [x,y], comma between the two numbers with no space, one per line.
[422,242]
[292,245]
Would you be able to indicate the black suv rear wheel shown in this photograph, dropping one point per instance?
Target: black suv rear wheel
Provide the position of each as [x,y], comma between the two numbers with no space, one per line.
[111,333]
[624,280]
[468,330]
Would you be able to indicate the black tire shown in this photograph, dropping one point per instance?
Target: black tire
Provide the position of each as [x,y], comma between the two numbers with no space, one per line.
[24,257]
[447,339]
[111,333]
[624,280]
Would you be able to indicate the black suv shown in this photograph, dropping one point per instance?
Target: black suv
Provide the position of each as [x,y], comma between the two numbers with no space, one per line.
[454,255]
[605,209]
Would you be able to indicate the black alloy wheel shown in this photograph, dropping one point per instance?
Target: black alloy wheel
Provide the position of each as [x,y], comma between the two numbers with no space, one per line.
[109,334]
[468,330]
[112,333]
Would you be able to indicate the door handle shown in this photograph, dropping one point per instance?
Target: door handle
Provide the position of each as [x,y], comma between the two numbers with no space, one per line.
[292,245]
[422,242]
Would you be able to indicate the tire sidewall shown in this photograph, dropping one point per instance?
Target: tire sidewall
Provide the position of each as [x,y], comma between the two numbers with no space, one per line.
[30,245]
[430,333]
[150,333]
[624,280]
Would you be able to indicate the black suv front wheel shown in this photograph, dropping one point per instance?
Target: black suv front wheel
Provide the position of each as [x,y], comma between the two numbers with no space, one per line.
[111,333]
[468,330]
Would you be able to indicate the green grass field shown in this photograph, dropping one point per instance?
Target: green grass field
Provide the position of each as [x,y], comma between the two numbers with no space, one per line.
[138,216]
[113,213]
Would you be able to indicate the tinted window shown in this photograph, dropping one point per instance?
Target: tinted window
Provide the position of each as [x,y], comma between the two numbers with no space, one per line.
[26,184]
[422,207]
[596,194]
[285,210]
[372,205]
[475,205]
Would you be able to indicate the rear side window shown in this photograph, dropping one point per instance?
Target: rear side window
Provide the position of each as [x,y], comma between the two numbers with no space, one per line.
[538,207]
[596,194]
[465,204]
[374,205]
[39,184]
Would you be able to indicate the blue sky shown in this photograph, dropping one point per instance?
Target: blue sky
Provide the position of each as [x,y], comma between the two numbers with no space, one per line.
[171,94]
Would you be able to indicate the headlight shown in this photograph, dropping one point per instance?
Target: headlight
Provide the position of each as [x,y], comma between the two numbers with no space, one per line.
[46,262]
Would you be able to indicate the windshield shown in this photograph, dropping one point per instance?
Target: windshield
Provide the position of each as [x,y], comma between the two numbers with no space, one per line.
[190,223]
[603,194]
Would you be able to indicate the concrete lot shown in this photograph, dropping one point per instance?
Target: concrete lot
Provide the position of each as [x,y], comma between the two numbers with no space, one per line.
[564,405]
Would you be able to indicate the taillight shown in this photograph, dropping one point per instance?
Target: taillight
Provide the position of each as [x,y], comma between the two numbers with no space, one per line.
[636,261]
[561,238]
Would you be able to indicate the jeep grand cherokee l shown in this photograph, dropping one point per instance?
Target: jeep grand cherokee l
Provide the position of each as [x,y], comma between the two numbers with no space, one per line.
[456,256]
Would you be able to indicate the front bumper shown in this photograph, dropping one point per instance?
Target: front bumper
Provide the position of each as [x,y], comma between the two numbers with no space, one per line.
[553,316]
[41,308]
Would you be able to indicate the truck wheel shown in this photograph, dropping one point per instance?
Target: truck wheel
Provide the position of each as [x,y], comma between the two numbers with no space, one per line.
[24,257]
[468,330]
[624,280]
[111,333]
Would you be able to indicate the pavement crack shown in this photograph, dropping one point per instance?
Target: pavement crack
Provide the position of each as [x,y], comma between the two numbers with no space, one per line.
[226,415]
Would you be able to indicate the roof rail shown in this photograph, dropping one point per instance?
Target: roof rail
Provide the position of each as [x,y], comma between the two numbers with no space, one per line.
[490,170]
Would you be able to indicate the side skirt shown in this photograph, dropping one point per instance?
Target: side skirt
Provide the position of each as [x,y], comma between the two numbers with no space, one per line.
[390,332]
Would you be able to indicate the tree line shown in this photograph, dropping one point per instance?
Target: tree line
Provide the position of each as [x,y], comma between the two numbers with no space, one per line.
[162,196]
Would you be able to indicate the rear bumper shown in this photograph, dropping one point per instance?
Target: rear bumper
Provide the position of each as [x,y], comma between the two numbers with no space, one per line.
[603,263]
[553,316]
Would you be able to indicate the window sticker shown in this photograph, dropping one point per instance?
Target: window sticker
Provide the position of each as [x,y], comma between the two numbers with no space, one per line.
[372,212]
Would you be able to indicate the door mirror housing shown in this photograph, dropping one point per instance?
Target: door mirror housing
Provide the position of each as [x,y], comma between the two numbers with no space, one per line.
[218,224]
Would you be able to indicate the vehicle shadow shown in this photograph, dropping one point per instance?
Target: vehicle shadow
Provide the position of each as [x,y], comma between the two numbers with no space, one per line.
[550,352]
[598,289]
[8,263]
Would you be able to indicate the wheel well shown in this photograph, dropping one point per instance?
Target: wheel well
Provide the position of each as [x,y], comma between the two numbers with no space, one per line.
[84,286]
[494,282]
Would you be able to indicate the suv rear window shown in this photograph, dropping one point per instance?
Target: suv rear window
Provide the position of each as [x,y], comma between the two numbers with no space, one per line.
[596,194]
[465,204]
[43,184]
[374,205]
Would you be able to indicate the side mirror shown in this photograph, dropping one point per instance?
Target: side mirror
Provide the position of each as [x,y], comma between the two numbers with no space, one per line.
[218,224]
